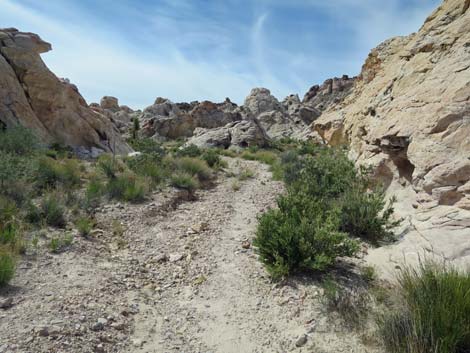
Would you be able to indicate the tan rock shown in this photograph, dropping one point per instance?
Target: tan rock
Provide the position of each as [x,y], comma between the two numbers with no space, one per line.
[37,99]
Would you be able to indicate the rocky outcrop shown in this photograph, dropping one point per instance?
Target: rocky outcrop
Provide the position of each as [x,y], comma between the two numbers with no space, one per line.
[120,116]
[287,119]
[239,134]
[32,96]
[332,92]
[168,120]
[408,116]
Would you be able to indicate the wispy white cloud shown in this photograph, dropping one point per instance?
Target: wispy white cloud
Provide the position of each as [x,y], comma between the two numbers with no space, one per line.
[137,50]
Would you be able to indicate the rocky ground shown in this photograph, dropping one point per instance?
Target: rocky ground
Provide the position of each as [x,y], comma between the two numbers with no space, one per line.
[172,275]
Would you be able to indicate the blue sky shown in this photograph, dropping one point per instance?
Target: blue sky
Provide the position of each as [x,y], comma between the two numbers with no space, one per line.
[188,50]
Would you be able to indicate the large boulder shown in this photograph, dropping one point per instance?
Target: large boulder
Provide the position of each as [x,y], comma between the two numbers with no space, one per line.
[32,96]
[239,134]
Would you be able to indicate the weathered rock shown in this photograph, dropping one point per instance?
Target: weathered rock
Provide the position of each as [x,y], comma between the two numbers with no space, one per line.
[34,97]
[167,120]
[408,117]
[261,100]
[110,103]
[243,133]
[330,93]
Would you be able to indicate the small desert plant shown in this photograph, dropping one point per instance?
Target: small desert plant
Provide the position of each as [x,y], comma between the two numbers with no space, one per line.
[53,211]
[246,174]
[184,181]
[212,158]
[94,191]
[127,187]
[195,167]
[59,243]
[147,166]
[19,141]
[135,128]
[434,315]
[189,151]
[266,157]
[368,273]
[7,267]
[235,185]
[148,146]
[110,166]
[84,226]
[50,173]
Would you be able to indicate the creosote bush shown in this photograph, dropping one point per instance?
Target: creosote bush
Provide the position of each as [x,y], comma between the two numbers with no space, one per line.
[53,210]
[433,314]
[184,181]
[328,204]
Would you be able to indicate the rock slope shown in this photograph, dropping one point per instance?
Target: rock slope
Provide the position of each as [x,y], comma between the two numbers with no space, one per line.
[408,116]
[32,96]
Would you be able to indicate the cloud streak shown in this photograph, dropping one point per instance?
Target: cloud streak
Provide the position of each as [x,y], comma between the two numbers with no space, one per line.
[138,50]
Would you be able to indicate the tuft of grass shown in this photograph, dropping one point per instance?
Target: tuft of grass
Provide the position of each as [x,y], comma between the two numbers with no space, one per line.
[53,211]
[434,311]
[213,159]
[368,273]
[50,173]
[184,181]
[246,174]
[58,244]
[194,167]
[7,267]
[84,226]
[235,185]
[127,187]
[266,157]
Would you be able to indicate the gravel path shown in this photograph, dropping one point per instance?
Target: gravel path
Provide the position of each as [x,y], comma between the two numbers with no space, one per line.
[182,277]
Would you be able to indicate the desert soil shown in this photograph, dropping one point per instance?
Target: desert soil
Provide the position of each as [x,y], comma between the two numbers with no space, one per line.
[182,277]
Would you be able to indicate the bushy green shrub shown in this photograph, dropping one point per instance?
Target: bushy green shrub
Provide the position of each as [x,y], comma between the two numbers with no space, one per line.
[212,158]
[266,157]
[94,192]
[300,235]
[184,181]
[148,146]
[110,166]
[51,173]
[194,167]
[189,151]
[147,166]
[435,312]
[84,226]
[126,187]
[7,267]
[53,211]
[18,141]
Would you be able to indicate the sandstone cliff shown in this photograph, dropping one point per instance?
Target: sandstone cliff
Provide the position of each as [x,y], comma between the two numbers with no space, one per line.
[408,116]
[32,96]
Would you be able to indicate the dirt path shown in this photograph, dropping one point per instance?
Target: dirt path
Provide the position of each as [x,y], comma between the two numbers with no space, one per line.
[177,280]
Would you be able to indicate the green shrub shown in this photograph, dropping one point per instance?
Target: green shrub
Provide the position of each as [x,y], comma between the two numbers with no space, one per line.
[147,166]
[94,191]
[300,235]
[194,167]
[19,141]
[266,157]
[110,166]
[364,214]
[184,181]
[9,234]
[189,151]
[212,158]
[245,174]
[435,312]
[148,146]
[127,187]
[227,153]
[33,213]
[84,226]
[50,173]
[7,267]
[53,211]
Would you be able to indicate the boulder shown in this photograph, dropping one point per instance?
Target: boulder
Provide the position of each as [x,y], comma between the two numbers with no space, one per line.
[239,134]
[32,96]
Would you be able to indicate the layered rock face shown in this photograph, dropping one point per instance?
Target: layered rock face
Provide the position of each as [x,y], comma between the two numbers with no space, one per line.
[409,114]
[168,120]
[409,117]
[120,115]
[32,96]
